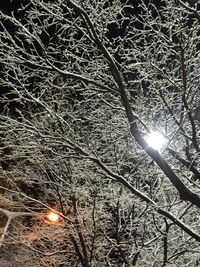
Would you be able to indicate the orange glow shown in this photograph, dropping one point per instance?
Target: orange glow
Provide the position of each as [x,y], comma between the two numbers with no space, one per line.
[52,217]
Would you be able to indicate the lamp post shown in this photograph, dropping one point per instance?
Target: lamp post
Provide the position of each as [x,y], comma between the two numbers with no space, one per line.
[10,216]
[51,217]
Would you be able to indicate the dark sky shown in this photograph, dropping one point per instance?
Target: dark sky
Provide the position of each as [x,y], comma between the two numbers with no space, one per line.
[7,5]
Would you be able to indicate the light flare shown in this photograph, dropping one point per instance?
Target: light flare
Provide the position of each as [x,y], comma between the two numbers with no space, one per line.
[52,217]
[155,140]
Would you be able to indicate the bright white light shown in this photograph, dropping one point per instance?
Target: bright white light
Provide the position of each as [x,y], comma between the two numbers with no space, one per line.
[155,140]
[53,217]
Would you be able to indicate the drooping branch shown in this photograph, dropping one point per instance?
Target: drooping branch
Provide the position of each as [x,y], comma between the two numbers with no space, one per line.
[184,192]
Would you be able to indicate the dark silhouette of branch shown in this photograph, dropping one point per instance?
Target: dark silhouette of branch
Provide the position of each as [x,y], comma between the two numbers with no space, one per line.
[186,163]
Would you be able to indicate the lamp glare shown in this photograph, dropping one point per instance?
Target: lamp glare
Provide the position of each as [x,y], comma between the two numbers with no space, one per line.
[155,140]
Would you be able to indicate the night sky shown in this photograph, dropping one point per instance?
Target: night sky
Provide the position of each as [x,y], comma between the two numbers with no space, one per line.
[6,5]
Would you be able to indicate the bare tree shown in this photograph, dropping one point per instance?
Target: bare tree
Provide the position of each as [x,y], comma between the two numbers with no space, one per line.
[84,85]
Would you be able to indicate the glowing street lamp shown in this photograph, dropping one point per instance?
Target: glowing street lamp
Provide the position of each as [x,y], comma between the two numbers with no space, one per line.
[52,217]
[155,140]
